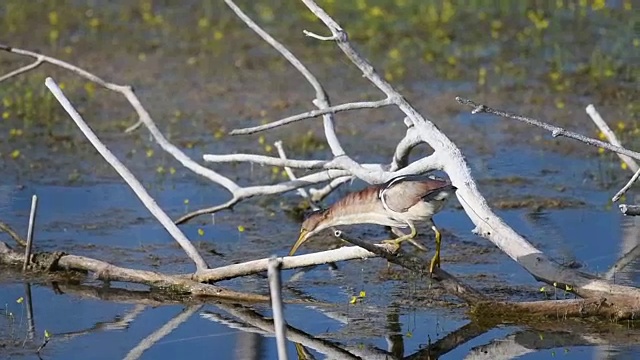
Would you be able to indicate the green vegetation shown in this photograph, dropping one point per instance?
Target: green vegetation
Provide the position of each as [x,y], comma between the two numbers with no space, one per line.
[561,52]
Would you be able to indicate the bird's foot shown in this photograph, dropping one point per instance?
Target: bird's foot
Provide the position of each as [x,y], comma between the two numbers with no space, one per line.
[435,262]
[393,242]
[397,242]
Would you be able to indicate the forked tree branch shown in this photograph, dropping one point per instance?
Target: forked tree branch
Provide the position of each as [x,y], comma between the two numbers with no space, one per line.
[488,225]
[446,156]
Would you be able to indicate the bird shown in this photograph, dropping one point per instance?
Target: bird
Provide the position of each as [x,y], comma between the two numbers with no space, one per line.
[398,203]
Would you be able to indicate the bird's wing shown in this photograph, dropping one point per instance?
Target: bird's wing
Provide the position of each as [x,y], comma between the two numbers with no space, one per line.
[401,193]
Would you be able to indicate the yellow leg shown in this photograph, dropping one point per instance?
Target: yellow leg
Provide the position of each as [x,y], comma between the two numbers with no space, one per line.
[408,237]
[435,261]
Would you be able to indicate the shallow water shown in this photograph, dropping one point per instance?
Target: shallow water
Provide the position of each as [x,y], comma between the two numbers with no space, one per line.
[198,88]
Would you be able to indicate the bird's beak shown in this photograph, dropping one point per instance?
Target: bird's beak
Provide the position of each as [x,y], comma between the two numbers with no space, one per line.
[301,239]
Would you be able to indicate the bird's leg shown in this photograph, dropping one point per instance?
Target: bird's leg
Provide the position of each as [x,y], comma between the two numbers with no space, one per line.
[435,261]
[405,237]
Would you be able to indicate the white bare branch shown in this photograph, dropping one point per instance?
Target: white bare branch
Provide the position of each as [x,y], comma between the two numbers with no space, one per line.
[610,135]
[555,130]
[626,186]
[488,225]
[313,114]
[613,139]
[128,177]
[319,194]
[267,160]
[288,262]
[23,69]
[321,101]
[290,174]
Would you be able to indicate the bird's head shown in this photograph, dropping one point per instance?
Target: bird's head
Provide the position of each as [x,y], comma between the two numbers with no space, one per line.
[311,225]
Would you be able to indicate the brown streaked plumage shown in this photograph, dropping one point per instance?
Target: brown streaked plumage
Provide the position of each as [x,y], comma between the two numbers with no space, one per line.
[399,204]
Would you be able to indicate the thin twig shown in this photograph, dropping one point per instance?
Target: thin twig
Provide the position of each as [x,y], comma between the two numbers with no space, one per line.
[128,177]
[275,289]
[45,341]
[32,223]
[318,195]
[23,69]
[319,37]
[313,114]
[301,191]
[555,130]
[626,187]
[613,139]
[269,160]
[13,234]
[610,135]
